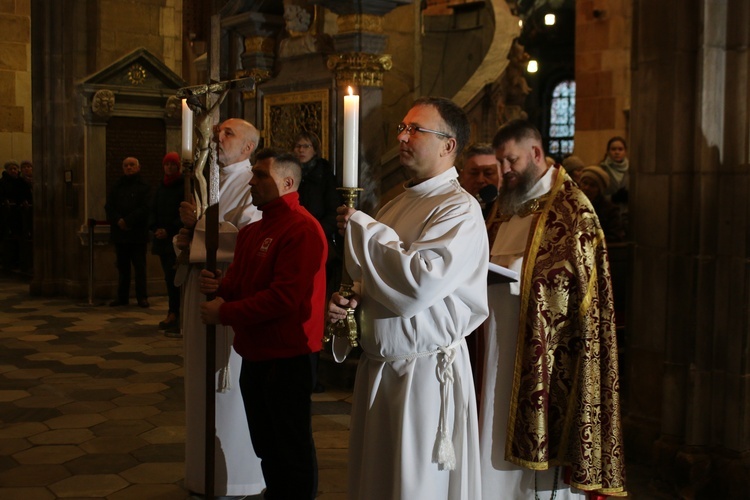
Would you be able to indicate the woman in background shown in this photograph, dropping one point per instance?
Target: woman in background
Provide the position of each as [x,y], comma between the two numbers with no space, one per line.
[318,194]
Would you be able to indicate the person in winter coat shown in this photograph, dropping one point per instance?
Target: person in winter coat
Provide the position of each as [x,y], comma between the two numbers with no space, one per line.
[165,224]
[127,210]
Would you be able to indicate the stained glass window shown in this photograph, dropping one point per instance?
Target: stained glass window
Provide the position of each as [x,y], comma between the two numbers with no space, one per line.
[562,123]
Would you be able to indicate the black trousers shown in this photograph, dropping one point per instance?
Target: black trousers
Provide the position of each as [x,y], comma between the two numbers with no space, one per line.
[276,394]
[127,254]
[168,263]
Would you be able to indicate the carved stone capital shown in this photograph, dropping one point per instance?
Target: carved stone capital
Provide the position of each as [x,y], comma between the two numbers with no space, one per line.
[259,45]
[360,69]
[356,23]
[259,75]
[103,103]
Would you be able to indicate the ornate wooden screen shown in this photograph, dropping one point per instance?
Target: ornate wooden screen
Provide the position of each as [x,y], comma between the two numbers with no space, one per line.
[284,115]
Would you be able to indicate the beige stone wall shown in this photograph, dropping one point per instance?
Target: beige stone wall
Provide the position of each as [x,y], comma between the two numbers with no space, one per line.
[122,28]
[153,24]
[603,43]
[15,80]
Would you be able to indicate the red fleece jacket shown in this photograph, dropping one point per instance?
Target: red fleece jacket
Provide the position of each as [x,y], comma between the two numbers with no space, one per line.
[275,289]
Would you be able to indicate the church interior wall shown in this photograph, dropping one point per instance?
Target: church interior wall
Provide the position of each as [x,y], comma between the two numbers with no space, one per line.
[400,84]
[454,46]
[79,38]
[688,327]
[602,72]
[15,81]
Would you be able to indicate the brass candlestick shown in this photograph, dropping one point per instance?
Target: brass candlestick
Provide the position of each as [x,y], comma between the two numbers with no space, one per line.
[347,327]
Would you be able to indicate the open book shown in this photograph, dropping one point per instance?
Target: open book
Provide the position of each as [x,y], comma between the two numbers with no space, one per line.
[498,274]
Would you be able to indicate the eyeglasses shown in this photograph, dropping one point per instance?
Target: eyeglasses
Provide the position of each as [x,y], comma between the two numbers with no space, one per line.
[411,128]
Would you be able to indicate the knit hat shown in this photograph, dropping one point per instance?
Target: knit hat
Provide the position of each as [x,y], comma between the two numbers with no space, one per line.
[572,163]
[598,175]
[171,158]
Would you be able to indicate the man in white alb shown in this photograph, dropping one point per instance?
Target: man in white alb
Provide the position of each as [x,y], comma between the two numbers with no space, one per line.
[420,271]
[238,471]
[549,411]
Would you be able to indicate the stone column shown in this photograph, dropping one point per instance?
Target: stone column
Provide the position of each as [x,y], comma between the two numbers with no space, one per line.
[255,42]
[363,72]
[359,62]
[689,323]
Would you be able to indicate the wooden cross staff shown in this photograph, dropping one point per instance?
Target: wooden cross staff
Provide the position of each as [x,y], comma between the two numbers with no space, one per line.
[206,196]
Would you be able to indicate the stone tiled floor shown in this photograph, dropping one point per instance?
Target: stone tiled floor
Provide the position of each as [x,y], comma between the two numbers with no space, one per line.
[91,404]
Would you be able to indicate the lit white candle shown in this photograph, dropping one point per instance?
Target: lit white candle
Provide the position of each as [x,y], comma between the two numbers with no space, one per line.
[187,131]
[351,139]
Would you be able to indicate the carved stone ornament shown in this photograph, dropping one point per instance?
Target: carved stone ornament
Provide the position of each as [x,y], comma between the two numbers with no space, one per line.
[173,108]
[356,23]
[259,75]
[297,18]
[259,45]
[360,69]
[103,103]
[136,74]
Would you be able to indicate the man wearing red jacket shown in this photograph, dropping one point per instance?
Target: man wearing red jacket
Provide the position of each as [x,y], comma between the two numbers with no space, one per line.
[274,295]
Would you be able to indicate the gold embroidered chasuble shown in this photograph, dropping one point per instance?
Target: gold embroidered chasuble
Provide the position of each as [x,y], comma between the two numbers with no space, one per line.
[565,407]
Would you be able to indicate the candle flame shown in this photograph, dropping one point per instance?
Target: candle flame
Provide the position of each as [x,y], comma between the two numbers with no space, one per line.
[351,92]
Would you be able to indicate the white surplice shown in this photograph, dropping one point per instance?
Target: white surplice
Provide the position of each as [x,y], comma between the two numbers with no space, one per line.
[421,270]
[238,470]
[502,480]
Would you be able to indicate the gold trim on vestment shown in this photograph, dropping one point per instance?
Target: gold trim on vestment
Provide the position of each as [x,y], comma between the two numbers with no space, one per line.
[532,247]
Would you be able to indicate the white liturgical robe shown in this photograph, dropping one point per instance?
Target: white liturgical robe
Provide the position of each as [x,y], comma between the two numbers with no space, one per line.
[238,469]
[421,269]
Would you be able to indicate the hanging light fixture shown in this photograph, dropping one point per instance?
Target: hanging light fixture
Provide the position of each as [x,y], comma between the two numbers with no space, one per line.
[532,66]
[549,19]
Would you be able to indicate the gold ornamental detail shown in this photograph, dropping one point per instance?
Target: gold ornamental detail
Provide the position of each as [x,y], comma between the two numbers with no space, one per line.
[136,74]
[360,69]
[356,23]
[259,75]
[259,45]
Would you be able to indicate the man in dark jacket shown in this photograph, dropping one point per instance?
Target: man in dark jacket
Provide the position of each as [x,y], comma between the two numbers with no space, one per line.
[165,223]
[127,213]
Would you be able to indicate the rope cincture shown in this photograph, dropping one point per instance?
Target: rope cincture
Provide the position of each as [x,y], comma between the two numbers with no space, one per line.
[446,454]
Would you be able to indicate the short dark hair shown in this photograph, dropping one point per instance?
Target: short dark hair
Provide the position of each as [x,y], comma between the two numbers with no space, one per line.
[516,130]
[478,148]
[283,159]
[453,116]
[310,136]
[615,139]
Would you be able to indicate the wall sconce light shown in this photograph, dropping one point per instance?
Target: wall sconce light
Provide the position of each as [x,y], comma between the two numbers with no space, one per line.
[549,19]
[532,66]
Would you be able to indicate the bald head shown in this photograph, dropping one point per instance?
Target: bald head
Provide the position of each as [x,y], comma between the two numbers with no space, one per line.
[237,139]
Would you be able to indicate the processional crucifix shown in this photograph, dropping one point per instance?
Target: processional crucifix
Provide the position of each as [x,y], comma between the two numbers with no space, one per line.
[206,196]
